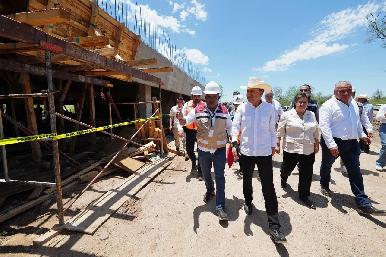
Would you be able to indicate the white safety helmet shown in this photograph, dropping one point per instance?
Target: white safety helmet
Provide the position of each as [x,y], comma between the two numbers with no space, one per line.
[196,90]
[237,99]
[212,88]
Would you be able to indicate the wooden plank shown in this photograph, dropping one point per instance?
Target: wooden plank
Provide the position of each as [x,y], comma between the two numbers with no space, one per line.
[142,62]
[11,65]
[157,70]
[90,41]
[107,51]
[46,237]
[102,73]
[129,164]
[14,30]
[43,17]
[94,215]
[31,117]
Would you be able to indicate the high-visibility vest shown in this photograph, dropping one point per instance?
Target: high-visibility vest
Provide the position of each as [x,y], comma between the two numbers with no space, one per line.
[211,136]
[189,107]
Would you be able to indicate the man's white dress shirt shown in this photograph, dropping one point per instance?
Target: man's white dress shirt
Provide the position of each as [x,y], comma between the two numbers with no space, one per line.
[340,120]
[381,114]
[256,126]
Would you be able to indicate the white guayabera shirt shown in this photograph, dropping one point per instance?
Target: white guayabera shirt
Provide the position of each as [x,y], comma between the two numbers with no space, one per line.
[256,126]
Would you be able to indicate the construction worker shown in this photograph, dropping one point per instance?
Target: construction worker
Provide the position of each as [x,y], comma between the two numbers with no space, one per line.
[191,129]
[255,120]
[213,121]
[237,100]
[175,126]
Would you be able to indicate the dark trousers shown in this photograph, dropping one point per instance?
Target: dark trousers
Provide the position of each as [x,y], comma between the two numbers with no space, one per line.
[363,146]
[264,165]
[305,162]
[190,142]
[349,152]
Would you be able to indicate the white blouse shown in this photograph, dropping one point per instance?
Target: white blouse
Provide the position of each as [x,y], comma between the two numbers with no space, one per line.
[299,134]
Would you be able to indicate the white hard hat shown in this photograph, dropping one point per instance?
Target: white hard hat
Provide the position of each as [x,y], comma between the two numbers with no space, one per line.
[212,88]
[237,99]
[196,90]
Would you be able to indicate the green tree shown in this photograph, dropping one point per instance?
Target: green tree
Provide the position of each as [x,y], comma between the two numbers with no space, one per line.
[377,26]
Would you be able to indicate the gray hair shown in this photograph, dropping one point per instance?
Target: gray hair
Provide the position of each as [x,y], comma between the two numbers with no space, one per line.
[343,82]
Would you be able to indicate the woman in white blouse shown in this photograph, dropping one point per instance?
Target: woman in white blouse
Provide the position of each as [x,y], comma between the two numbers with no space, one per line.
[299,130]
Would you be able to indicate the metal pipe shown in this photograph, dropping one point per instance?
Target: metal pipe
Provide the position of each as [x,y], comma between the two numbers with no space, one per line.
[3,150]
[31,182]
[55,143]
[161,124]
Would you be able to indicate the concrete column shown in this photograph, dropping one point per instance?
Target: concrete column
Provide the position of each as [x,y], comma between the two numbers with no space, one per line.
[145,110]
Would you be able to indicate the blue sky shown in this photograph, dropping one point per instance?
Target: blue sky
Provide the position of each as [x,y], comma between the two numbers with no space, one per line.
[285,43]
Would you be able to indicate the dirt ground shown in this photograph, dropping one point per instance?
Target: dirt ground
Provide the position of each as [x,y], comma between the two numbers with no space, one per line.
[169,218]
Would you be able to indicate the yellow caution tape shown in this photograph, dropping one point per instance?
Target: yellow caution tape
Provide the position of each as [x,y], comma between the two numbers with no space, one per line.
[54,136]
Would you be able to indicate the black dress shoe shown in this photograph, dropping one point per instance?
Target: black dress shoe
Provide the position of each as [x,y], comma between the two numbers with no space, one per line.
[307,202]
[326,191]
[371,210]
[277,236]
[248,209]
[208,196]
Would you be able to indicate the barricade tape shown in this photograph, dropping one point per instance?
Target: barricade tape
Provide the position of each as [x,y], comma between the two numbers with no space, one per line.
[54,136]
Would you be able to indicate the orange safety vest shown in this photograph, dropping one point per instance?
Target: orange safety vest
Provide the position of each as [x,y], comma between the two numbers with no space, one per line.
[188,109]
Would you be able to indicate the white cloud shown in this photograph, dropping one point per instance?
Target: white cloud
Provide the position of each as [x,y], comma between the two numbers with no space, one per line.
[198,10]
[183,15]
[332,28]
[176,6]
[196,56]
[194,8]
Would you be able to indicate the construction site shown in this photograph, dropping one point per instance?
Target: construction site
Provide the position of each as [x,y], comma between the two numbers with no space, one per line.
[89,167]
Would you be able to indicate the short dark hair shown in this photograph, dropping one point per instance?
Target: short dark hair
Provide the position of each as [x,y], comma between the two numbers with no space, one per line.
[298,96]
[306,85]
[180,98]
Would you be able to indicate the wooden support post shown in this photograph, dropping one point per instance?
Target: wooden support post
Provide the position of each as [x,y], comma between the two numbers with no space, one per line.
[61,103]
[3,151]
[164,143]
[31,117]
[91,103]
[111,100]
[93,18]
[55,144]
[79,113]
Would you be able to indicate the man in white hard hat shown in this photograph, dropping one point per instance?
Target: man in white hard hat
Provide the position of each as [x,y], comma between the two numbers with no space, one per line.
[255,122]
[213,122]
[237,100]
[191,129]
